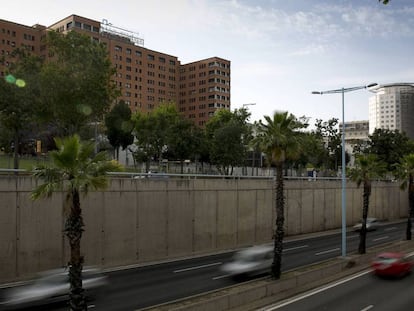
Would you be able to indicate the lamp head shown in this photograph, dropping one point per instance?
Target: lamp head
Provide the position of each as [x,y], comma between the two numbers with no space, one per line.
[317,92]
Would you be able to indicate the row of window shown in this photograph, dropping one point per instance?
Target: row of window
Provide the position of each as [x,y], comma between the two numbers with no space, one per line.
[151,57]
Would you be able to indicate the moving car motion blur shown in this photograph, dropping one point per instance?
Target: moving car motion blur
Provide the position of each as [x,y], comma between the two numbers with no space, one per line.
[392,264]
[372,224]
[51,286]
[249,262]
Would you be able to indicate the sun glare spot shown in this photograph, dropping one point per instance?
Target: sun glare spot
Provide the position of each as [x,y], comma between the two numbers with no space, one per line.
[10,79]
[20,83]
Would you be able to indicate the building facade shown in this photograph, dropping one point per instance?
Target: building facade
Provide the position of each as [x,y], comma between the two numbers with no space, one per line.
[146,78]
[392,108]
[355,132]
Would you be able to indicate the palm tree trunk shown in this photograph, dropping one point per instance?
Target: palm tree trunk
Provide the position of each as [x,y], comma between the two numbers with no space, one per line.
[73,229]
[363,233]
[280,219]
[410,207]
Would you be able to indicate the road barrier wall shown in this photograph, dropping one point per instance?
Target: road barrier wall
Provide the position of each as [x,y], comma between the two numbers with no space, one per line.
[142,221]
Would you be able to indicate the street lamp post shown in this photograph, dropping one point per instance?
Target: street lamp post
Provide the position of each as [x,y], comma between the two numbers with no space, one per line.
[343,177]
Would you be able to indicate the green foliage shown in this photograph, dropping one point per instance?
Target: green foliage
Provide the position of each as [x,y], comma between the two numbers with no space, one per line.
[73,166]
[183,140]
[228,135]
[389,146]
[164,132]
[119,127]
[76,81]
[280,138]
[19,100]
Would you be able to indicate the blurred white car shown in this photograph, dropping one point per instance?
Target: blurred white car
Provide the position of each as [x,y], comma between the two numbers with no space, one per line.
[372,224]
[249,262]
[52,286]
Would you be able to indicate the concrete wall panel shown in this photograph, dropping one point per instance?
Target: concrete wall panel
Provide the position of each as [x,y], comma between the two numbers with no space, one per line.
[293,211]
[307,214]
[138,221]
[205,220]
[180,223]
[120,225]
[246,219]
[152,226]
[226,220]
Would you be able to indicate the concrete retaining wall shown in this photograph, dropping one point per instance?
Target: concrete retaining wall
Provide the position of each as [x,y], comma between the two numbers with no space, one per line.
[138,221]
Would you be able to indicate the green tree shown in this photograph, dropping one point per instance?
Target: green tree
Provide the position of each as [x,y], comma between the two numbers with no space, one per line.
[228,134]
[182,140]
[366,168]
[19,98]
[75,170]
[280,139]
[152,132]
[405,172]
[77,86]
[119,127]
[329,133]
[389,146]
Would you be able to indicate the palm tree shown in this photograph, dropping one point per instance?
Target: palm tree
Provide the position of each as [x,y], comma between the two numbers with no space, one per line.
[280,140]
[405,171]
[367,167]
[74,170]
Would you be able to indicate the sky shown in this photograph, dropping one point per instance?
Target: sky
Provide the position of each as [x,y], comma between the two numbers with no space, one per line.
[280,50]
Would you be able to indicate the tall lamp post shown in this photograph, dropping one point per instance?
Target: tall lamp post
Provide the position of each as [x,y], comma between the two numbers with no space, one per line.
[343,203]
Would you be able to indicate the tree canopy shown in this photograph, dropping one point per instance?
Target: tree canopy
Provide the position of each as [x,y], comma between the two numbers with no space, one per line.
[228,135]
[119,127]
[77,85]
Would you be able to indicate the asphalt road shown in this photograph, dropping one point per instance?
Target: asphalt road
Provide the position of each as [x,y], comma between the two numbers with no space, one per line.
[137,288]
[362,293]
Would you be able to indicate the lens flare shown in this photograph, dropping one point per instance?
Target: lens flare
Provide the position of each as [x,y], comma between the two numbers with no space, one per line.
[20,83]
[10,79]
[85,109]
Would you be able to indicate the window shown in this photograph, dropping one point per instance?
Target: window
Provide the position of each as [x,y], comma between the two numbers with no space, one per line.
[138,53]
[87,27]
[150,57]
[128,51]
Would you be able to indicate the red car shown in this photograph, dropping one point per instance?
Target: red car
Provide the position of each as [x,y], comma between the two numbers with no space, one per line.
[392,264]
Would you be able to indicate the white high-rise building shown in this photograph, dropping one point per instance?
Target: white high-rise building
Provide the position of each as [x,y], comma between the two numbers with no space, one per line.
[392,108]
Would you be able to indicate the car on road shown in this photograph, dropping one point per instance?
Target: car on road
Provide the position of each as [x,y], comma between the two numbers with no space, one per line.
[394,264]
[249,262]
[372,224]
[50,287]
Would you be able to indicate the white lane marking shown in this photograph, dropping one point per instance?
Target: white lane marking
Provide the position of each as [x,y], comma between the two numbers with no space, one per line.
[295,248]
[91,306]
[381,238]
[390,229]
[317,291]
[353,236]
[198,267]
[328,251]
[367,308]
[220,277]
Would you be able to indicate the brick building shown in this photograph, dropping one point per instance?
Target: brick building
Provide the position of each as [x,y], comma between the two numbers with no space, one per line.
[145,77]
